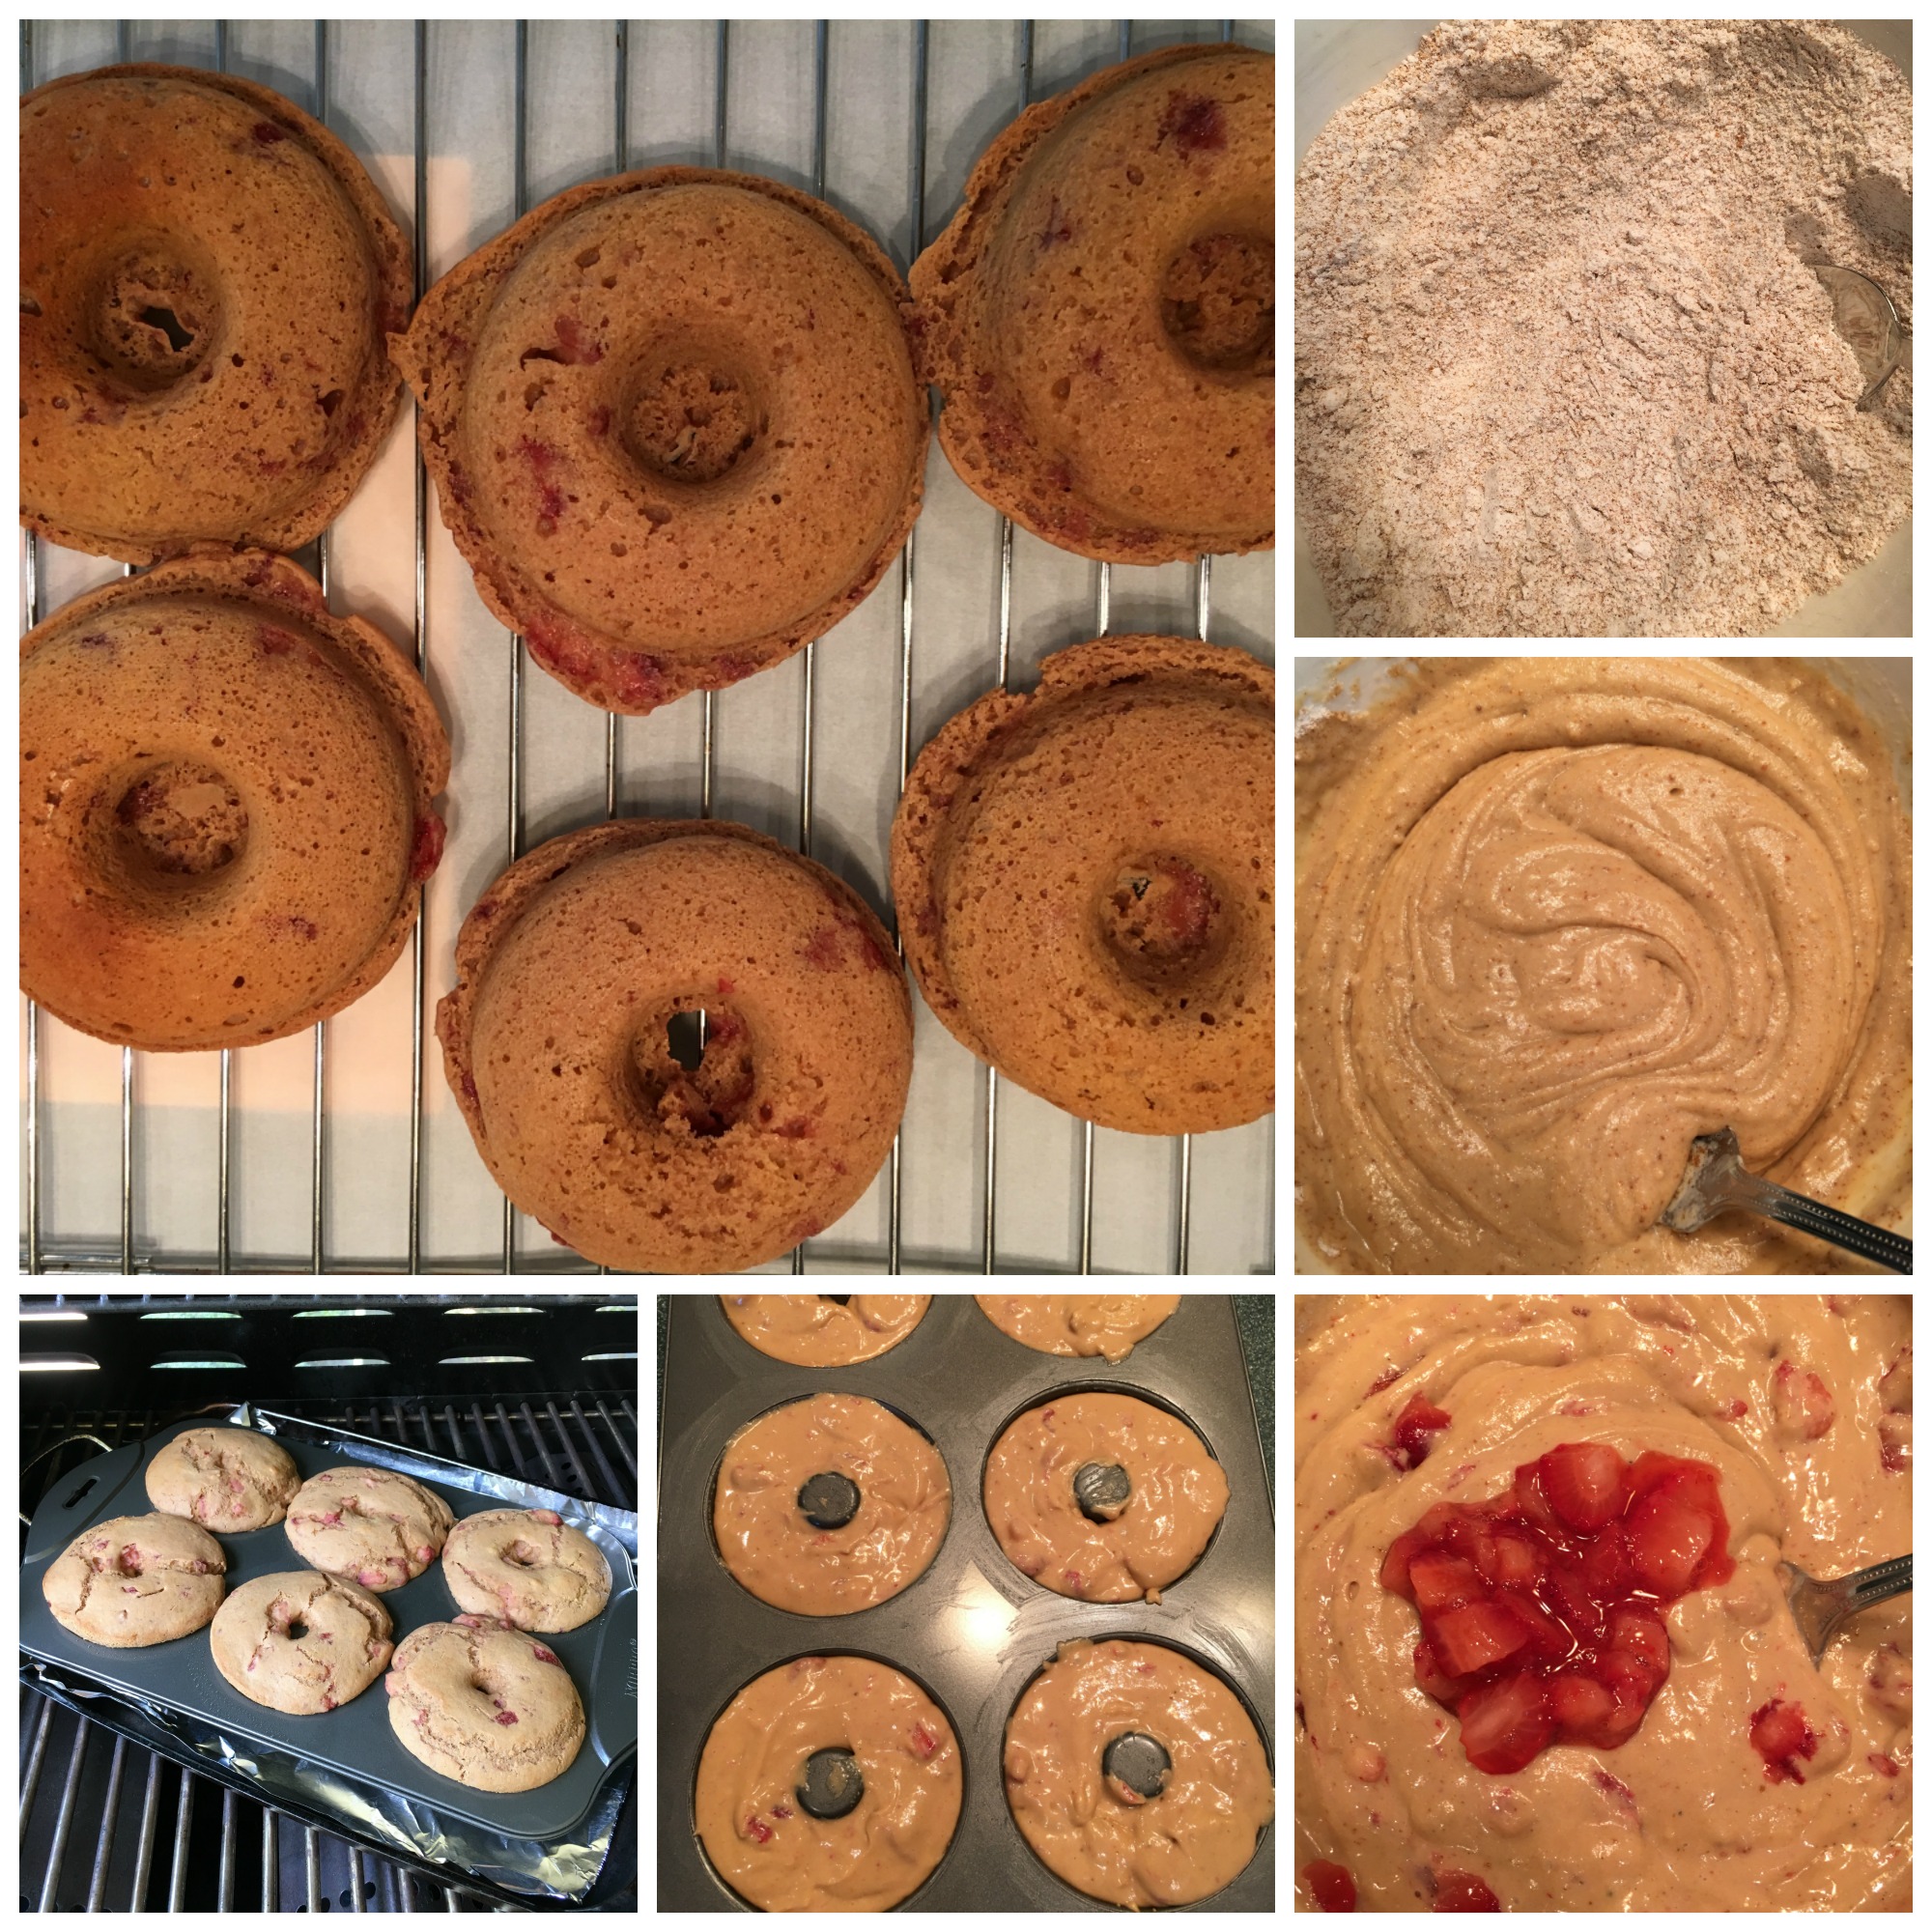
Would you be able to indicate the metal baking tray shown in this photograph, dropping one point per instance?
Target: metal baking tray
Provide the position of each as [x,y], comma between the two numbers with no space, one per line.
[355,1742]
[959,1380]
[340,1150]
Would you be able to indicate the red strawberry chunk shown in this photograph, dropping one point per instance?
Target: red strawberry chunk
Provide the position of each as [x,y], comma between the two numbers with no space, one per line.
[1506,1724]
[757,1828]
[1781,1736]
[1439,1583]
[1464,1891]
[1585,1484]
[1474,1637]
[1333,1885]
[1419,1420]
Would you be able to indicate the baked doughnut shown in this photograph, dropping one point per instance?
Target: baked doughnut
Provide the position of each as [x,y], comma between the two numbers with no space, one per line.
[484,1704]
[301,1642]
[207,278]
[824,1331]
[225,805]
[556,1042]
[378,1526]
[1085,880]
[136,1580]
[1078,1325]
[1102,1496]
[674,426]
[233,1479]
[1099,315]
[1136,1776]
[776,1806]
[529,1568]
[829,1505]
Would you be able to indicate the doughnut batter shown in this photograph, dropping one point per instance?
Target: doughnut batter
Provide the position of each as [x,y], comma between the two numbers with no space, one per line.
[1079,1324]
[1557,917]
[752,1819]
[1097,1832]
[1115,1549]
[895,1510]
[824,1331]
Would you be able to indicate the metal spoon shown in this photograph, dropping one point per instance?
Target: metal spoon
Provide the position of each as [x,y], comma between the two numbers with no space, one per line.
[1866,319]
[1821,1608]
[1716,1179]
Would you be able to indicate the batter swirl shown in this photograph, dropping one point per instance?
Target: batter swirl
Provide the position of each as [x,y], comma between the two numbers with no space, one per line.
[1557,917]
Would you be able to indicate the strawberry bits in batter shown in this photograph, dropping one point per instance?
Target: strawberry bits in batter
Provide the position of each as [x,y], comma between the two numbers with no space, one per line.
[1103,1497]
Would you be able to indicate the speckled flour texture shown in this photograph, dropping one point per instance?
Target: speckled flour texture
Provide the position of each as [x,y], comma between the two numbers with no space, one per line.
[1562,366]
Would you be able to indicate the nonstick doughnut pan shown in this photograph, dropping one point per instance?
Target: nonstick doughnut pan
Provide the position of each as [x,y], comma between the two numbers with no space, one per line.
[972,1629]
[355,1741]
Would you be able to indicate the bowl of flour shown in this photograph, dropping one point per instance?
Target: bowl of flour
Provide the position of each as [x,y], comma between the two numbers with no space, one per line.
[1563,363]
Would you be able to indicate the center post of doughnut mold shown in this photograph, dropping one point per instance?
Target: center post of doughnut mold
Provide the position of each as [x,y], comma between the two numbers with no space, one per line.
[150,314]
[173,826]
[690,1062]
[1217,302]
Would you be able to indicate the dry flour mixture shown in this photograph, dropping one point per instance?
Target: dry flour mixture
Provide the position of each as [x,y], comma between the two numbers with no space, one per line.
[1562,368]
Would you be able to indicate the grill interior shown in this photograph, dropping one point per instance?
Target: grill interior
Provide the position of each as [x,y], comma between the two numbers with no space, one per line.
[545,1390]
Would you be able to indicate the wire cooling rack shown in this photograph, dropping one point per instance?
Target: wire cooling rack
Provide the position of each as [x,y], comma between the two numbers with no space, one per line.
[340,1151]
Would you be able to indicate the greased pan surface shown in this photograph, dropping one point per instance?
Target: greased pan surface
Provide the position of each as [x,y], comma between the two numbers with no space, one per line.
[355,1740]
[972,1629]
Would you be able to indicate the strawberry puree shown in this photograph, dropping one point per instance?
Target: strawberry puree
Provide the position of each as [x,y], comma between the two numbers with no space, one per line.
[1657,1739]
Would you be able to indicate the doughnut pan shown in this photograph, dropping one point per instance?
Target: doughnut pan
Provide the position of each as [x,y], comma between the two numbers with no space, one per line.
[972,1629]
[355,1741]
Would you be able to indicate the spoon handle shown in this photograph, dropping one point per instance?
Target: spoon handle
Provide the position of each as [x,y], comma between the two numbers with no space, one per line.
[1866,1587]
[1830,1224]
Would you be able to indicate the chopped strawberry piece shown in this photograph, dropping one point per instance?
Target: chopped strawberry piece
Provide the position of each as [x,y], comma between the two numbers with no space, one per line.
[1479,1634]
[1581,1706]
[1419,1420]
[1464,1891]
[1584,1483]
[1509,1561]
[1333,1885]
[1436,1681]
[1439,1583]
[1802,1402]
[781,1811]
[1885,1767]
[1506,1724]
[1669,1535]
[925,1742]
[1894,1442]
[1781,1736]
[757,1828]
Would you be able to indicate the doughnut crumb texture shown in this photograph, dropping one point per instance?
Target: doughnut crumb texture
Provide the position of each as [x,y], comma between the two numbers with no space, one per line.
[227,1479]
[378,1527]
[207,279]
[567,1045]
[227,805]
[674,427]
[1085,881]
[1098,317]
[301,1642]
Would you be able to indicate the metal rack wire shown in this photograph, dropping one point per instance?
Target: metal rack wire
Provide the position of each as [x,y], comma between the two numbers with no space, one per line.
[38,1253]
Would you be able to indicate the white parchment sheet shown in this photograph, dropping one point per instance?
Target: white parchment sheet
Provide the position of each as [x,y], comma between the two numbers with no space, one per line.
[972,89]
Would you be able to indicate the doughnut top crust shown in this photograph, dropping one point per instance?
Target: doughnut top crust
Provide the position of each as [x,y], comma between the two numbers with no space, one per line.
[1099,315]
[225,805]
[556,1042]
[674,427]
[1085,879]
[207,279]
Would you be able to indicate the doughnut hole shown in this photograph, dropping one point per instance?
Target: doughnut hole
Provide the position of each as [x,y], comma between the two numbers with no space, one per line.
[179,819]
[689,414]
[685,1080]
[1217,302]
[149,316]
[1161,919]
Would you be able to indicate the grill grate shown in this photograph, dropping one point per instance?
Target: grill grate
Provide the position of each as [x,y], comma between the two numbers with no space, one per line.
[106,1825]
[1146,1209]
